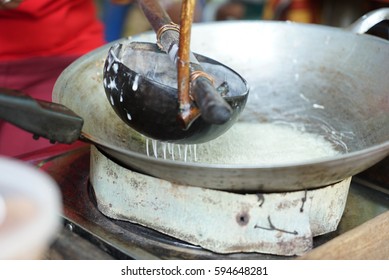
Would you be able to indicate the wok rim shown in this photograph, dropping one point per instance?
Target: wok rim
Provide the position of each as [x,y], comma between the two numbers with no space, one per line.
[299,164]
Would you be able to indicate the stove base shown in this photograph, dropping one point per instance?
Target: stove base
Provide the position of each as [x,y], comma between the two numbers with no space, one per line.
[222,222]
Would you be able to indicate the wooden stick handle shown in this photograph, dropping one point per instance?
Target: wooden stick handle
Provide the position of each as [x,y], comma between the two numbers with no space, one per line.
[214,109]
[154,13]
[187,113]
[367,241]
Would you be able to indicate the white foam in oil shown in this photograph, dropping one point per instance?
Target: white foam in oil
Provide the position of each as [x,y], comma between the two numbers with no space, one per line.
[250,143]
[253,143]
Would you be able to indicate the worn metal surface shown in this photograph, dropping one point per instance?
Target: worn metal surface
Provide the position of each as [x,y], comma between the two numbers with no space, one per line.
[223,222]
[124,240]
[327,80]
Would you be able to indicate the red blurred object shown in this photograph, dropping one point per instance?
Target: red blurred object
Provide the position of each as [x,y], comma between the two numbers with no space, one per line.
[305,11]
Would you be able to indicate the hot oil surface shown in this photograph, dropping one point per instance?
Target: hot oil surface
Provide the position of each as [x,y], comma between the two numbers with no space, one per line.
[250,143]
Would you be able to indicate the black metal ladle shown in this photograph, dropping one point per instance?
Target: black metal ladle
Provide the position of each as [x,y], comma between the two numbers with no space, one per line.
[163,100]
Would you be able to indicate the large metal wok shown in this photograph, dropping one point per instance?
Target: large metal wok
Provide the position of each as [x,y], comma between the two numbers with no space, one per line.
[290,67]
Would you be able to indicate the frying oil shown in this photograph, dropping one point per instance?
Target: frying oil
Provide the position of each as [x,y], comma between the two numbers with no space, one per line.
[250,143]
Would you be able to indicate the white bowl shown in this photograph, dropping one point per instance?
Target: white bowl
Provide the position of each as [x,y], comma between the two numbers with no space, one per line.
[30,210]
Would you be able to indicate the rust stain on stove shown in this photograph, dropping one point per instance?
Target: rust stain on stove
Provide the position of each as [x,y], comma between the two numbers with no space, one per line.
[209,200]
[177,191]
[112,174]
[136,184]
[287,204]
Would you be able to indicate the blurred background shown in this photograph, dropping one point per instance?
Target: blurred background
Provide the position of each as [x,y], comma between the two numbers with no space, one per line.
[126,20]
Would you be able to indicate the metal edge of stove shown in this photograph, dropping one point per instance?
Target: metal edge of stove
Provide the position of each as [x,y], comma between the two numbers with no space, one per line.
[79,212]
[124,240]
[72,220]
[371,185]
